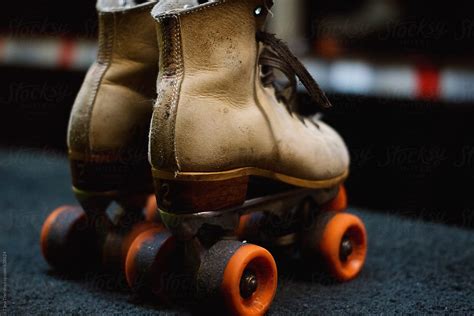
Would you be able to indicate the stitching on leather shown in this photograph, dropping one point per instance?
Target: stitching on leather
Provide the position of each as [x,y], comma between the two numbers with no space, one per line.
[161,74]
[178,58]
[172,76]
[156,107]
[167,53]
[103,64]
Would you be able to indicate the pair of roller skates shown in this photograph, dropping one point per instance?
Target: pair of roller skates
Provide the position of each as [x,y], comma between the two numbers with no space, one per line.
[232,164]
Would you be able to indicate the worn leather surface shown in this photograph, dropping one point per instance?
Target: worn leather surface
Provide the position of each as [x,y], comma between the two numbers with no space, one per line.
[213,113]
[109,121]
[112,110]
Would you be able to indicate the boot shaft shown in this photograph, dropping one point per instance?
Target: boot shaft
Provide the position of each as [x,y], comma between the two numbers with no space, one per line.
[216,119]
[109,122]
[214,43]
[126,32]
[208,54]
[113,106]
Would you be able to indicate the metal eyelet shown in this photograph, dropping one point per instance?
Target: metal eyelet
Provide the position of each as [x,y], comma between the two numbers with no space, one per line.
[258,11]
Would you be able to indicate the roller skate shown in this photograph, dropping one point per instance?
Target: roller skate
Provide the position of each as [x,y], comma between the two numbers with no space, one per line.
[230,158]
[107,140]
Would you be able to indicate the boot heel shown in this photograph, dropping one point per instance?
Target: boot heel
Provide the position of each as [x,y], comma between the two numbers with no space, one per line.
[183,197]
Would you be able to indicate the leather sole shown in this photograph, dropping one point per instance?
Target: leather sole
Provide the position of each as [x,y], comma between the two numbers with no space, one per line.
[250,171]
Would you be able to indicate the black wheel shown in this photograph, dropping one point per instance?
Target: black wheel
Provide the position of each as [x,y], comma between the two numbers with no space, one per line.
[119,240]
[149,262]
[244,275]
[67,242]
[340,240]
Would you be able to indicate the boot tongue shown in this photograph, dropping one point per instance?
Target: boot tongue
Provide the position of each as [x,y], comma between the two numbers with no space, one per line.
[169,5]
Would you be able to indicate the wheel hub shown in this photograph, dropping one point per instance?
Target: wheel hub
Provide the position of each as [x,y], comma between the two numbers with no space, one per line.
[248,284]
[346,248]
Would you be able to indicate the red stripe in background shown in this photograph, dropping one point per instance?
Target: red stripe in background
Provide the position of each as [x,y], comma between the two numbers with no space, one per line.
[66,54]
[428,83]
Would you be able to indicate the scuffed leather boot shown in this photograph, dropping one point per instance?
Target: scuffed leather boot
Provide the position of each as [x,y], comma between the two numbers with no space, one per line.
[229,156]
[107,138]
[219,118]
[109,122]
[107,141]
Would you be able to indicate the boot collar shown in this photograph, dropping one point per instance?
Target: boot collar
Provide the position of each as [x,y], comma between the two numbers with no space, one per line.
[122,5]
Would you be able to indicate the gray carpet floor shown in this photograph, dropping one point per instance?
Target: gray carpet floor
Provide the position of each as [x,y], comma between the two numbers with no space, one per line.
[412,267]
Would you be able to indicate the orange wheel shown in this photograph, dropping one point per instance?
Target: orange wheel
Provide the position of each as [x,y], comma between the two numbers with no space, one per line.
[136,231]
[117,243]
[66,239]
[243,226]
[343,245]
[249,282]
[339,203]
[151,210]
[249,226]
[148,259]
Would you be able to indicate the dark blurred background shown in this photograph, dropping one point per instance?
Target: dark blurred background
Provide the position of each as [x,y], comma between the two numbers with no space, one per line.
[400,74]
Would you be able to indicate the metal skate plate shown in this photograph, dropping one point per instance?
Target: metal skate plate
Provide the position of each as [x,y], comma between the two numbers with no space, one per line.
[186,226]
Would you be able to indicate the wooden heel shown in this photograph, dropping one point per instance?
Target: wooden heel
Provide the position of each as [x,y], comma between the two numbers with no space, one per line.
[200,196]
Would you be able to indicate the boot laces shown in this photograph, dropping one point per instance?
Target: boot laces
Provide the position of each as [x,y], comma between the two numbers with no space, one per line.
[277,55]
